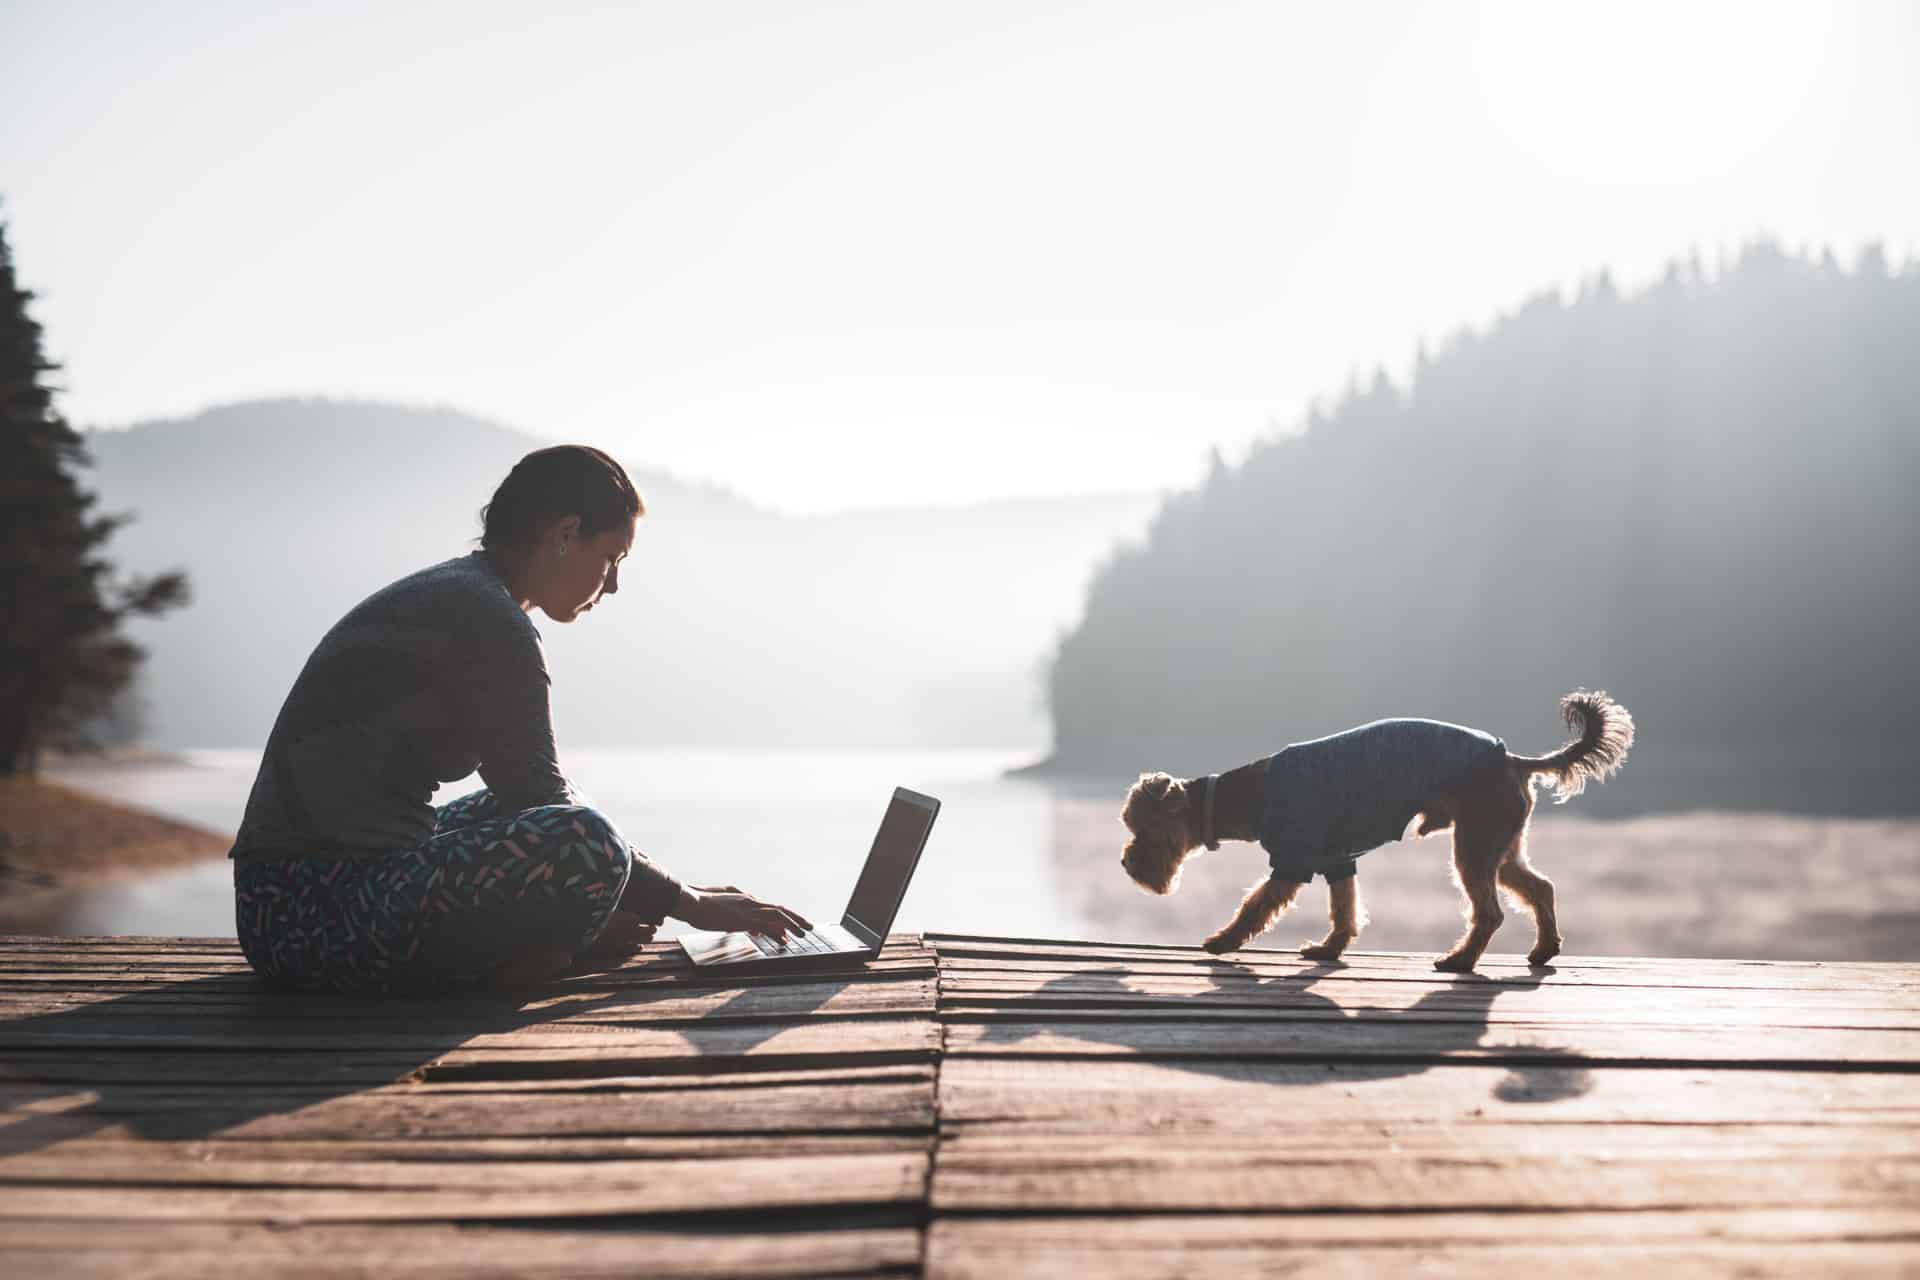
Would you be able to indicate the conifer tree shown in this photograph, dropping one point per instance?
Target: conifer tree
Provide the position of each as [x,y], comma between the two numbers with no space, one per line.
[63,656]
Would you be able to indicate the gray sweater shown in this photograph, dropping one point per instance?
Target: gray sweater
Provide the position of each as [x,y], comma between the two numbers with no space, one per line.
[1330,800]
[421,683]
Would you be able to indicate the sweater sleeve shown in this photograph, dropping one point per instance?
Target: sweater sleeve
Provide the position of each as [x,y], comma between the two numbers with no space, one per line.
[520,764]
[651,890]
[514,723]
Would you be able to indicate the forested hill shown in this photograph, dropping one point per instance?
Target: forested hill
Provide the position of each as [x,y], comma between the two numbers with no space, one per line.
[735,625]
[1704,497]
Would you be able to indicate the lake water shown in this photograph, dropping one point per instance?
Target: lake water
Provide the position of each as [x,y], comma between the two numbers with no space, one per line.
[1033,858]
[791,826]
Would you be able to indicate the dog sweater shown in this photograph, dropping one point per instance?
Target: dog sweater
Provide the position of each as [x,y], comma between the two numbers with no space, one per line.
[1330,800]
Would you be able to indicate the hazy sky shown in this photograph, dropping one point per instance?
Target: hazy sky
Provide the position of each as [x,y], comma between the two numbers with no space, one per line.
[848,254]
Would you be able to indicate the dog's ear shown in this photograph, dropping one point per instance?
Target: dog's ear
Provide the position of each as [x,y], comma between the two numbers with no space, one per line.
[1163,788]
[1155,795]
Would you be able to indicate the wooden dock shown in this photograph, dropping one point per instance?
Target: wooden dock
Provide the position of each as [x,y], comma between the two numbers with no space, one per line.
[963,1107]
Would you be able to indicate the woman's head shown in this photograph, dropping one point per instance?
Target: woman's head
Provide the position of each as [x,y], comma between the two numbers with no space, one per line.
[558,527]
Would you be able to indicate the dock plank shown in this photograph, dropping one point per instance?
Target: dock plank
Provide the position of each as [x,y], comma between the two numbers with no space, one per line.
[960,953]
[451,1040]
[291,1193]
[162,1111]
[1467,1245]
[1676,1043]
[113,1248]
[861,997]
[1146,1173]
[963,1106]
[1435,997]
[1189,1114]
[1204,1095]
[423,1112]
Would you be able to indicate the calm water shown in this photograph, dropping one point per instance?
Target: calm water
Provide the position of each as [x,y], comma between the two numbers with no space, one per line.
[1041,859]
[791,826]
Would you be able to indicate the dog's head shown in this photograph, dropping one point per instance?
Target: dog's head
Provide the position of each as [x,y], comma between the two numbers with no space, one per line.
[1159,815]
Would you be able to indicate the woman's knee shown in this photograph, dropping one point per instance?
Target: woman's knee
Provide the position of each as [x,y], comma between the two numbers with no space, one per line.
[602,841]
[469,810]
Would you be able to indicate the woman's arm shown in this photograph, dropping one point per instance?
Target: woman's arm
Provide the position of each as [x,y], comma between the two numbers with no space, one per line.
[520,765]
[513,718]
[652,892]
[727,909]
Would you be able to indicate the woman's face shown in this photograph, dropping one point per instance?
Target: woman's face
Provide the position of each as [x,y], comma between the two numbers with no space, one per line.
[571,573]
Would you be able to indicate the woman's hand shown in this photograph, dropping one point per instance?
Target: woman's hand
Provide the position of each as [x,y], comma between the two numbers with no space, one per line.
[726,910]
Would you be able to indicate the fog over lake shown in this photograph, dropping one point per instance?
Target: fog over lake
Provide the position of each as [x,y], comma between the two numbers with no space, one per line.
[1040,858]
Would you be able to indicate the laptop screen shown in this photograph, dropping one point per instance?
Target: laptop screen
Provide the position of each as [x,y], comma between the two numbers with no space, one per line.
[890,863]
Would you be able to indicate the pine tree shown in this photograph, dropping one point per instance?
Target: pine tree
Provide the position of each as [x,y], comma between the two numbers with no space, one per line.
[63,657]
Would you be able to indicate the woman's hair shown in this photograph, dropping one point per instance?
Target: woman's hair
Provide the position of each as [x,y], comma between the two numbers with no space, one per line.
[551,484]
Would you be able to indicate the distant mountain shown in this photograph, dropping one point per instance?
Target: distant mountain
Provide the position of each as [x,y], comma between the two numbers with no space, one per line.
[1702,497]
[735,625]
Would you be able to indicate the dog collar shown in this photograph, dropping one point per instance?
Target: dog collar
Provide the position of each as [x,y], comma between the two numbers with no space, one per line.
[1206,811]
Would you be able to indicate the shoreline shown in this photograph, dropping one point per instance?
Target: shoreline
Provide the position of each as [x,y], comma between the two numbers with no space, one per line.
[110,758]
[57,842]
[1052,768]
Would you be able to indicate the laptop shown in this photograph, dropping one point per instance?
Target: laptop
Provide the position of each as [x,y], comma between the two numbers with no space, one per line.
[876,899]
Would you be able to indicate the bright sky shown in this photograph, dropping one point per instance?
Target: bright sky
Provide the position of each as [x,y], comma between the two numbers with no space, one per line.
[853,254]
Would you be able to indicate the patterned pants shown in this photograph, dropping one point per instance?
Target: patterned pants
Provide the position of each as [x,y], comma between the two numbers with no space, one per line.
[484,890]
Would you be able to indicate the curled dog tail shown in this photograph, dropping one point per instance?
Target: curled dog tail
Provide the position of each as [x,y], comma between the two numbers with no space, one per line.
[1606,731]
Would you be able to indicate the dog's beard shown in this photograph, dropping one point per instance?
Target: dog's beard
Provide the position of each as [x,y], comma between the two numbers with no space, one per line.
[1154,866]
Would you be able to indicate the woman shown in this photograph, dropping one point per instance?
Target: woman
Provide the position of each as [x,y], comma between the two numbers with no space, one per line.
[346,878]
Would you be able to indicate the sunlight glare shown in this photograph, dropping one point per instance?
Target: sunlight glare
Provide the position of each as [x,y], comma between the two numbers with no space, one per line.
[1632,95]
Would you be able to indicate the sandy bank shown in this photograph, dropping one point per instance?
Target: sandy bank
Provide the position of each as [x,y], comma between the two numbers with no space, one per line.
[55,840]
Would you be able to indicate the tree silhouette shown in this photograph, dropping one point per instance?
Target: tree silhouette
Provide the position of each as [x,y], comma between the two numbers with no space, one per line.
[1699,496]
[63,657]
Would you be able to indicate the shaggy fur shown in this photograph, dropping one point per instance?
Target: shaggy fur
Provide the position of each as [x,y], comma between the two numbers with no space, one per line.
[1488,816]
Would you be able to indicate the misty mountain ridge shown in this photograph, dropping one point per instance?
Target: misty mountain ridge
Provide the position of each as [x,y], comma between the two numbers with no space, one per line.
[1700,497]
[735,624]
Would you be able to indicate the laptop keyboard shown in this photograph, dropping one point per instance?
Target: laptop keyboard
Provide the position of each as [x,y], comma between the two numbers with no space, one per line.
[797,944]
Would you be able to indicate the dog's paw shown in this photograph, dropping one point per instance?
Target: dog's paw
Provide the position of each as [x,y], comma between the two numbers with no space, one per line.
[1219,944]
[1320,951]
[1539,956]
[1455,963]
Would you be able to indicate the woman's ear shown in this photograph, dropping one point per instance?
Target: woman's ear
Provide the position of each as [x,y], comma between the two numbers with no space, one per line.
[563,533]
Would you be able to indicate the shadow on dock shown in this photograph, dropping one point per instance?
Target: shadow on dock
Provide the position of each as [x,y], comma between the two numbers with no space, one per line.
[205,1056]
[1369,1042]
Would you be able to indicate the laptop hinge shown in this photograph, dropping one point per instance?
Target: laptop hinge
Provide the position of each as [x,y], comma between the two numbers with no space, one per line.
[861,932]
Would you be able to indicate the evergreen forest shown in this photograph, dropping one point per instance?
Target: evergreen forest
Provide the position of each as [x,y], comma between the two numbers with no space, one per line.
[1703,497]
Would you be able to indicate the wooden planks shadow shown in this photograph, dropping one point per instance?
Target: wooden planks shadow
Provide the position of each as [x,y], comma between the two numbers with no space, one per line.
[167,1116]
[1156,1111]
[964,1106]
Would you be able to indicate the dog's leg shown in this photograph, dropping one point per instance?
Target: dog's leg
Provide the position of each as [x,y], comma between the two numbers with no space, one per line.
[1344,920]
[1535,892]
[1258,910]
[1476,858]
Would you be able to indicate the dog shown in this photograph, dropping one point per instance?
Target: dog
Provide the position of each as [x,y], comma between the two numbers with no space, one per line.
[1316,806]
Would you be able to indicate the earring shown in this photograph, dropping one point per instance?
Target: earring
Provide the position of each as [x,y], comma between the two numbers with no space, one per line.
[563,548]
